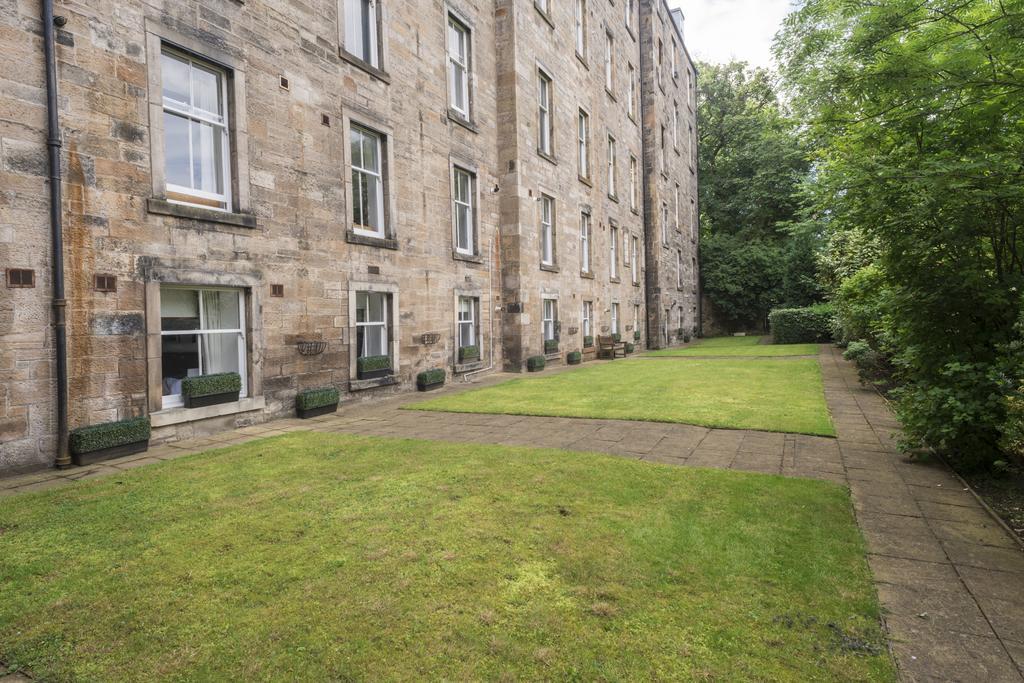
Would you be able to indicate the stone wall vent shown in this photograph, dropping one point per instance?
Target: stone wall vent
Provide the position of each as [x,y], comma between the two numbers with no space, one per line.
[284,83]
[21,277]
[104,283]
[276,290]
[373,270]
[325,120]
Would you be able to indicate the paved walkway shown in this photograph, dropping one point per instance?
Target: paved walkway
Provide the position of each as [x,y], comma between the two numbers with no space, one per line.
[949,576]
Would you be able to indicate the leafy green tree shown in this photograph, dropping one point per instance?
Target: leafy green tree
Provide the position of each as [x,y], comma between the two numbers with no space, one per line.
[915,111]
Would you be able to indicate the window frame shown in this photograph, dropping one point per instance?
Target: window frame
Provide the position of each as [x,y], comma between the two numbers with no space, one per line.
[613,253]
[545,114]
[631,91]
[375,66]
[170,401]
[583,143]
[587,319]
[634,183]
[679,269]
[454,21]
[664,223]
[549,322]
[381,175]
[548,231]
[473,320]
[609,63]
[615,318]
[471,204]
[612,167]
[586,243]
[634,259]
[580,28]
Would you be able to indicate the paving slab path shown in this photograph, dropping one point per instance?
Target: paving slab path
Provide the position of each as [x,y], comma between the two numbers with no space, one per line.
[948,575]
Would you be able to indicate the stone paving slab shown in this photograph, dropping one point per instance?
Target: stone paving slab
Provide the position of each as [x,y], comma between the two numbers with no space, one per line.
[948,576]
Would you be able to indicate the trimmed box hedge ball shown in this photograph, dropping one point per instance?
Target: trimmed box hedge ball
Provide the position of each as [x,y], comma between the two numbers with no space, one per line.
[574,358]
[636,336]
[536,363]
[629,347]
[210,385]
[109,435]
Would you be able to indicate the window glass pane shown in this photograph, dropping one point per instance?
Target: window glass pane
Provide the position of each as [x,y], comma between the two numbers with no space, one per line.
[220,310]
[174,74]
[375,307]
[361,307]
[220,352]
[179,309]
[372,340]
[373,199]
[371,147]
[356,143]
[179,358]
[206,90]
[176,150]
[207,157]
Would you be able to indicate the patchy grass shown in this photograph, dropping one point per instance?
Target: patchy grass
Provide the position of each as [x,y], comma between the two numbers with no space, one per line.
[735,394]
[315,557]
[739,346]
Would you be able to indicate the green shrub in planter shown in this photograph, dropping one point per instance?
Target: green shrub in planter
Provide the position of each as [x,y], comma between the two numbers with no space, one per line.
[686,339]
[616,337]
[574,358]
[430,379]
[810,325]
[629,347]
[208,390]
[536,363]
[636,336]
[109,440]
[369,367]
[313,402]
[551,346]
[467,353]
[588,342]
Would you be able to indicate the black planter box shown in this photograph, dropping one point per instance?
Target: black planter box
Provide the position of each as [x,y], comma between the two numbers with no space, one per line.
[307,413]
[210,399]
[431,386]
[109,453]
[373,374]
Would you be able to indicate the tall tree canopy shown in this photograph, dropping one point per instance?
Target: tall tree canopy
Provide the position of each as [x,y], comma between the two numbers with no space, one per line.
[752,165]
[915,113]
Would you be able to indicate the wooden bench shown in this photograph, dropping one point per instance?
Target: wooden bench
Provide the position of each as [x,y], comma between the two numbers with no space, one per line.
[607,347]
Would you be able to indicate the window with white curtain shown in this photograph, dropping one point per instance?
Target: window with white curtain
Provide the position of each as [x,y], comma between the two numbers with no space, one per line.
[372,315]
[196,134]
[631,97]
[463,196]
[613,253]
[609,62]
[550,319]
[611,166]
[367,182]
[547,230]
[544,112]
[634,183]
[361,30]
[468,314]
[664,223]
[202,332]
[585,242]
[458,67]
[615,319]
[583,136]
[580,18]
[634,260]
[588,318]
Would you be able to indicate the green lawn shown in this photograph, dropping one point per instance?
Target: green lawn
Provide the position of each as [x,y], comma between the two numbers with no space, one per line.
[739,346]
[768,395]
[327,557]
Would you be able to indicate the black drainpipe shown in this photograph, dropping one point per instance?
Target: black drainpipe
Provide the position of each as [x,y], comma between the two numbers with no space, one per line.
[57,234]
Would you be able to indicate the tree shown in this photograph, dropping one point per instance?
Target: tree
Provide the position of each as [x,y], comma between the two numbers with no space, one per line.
[914,108]
[752,165]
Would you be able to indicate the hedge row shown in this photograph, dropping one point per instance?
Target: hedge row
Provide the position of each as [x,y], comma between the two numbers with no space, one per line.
[317,398]
[574,358]
[428,377]
[550,346]
[208,385]
[535,363]
[109,434]
[802,325]
[588,342]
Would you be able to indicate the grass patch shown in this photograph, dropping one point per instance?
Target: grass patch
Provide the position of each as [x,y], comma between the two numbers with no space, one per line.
[739,346]
[315,557]
[734,394]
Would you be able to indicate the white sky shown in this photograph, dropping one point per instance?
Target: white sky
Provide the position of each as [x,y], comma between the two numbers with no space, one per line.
[718,30]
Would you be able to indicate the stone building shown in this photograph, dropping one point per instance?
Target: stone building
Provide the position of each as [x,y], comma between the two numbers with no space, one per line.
[278,189]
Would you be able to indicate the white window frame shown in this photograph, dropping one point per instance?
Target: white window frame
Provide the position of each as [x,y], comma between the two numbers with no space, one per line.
[548,255]
[634,261]
[549,319]
[385,323]
[631,96]
[188,111]
[583,143]
[470,322]
[661,156]
[373,24]
[664,223]
[630,10]
[693,220]
[464,203]
[588,319]
[545,131]
[580,27]
[675,125]
[634,185]
[459,66]
[636,317]
[357,227]
[679,268]
[611,166]
[609,62]
[613,253]
[676,192]
[615,318]
[585,241]
[672,59]
[177,400]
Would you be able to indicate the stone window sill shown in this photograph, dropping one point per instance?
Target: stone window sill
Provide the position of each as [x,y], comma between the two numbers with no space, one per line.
[611,95]
[544,15]
[586,274]
[173,416]
[197,213]
[353,237]
[364,384]
[614,198]
[547,157]
[457,118]
[557,355]
[469,258]
[615,280]
[377,73]
[585,181]
[468,367]
[550,268]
